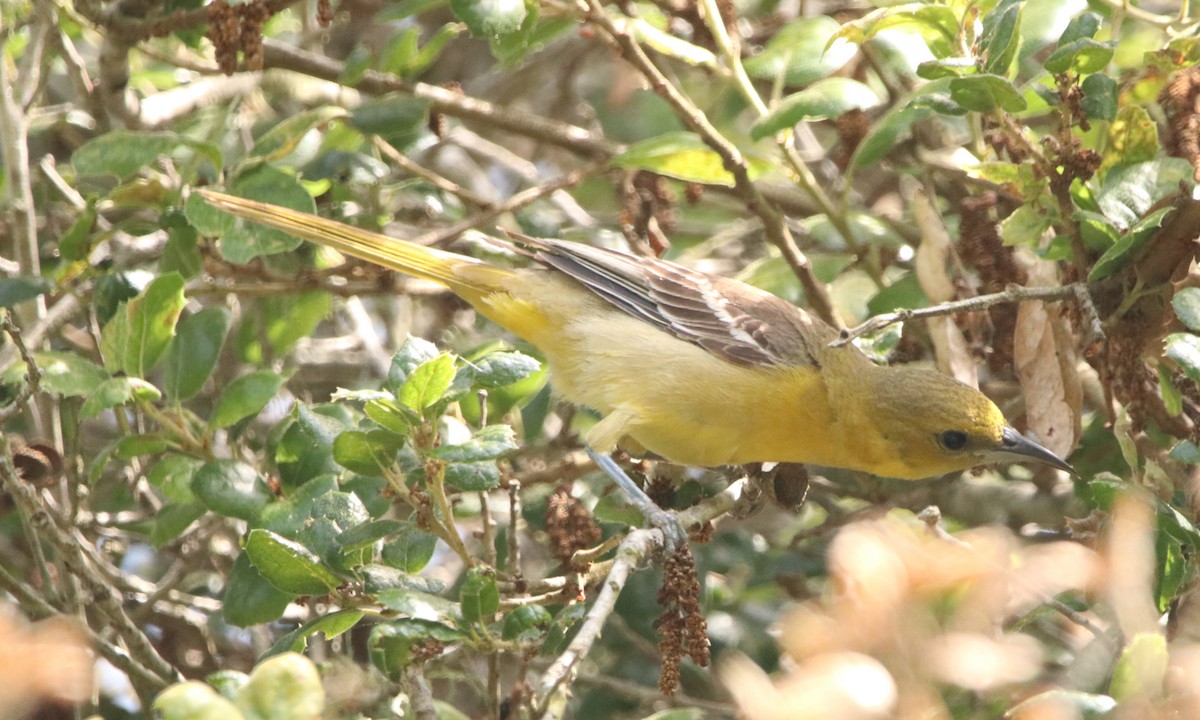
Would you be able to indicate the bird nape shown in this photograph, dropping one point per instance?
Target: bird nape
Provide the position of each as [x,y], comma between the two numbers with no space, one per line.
[695,368]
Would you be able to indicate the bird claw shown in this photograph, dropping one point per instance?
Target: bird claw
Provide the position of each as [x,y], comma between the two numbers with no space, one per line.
[673,532]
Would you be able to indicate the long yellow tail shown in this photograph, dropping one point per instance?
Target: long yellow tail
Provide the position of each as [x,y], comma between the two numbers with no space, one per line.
[411,259]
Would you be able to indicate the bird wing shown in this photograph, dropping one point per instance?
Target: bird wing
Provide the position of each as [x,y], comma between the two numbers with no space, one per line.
[732,320]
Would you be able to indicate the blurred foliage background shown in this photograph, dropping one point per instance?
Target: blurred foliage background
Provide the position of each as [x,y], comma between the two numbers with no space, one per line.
[223,446]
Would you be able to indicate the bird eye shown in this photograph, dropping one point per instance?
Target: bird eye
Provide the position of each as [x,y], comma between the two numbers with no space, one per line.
[952,439]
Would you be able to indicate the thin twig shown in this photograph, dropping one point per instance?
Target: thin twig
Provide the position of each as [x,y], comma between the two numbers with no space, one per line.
[444,184]
[33,373]
[1015,293]
[634,550]
[773,221]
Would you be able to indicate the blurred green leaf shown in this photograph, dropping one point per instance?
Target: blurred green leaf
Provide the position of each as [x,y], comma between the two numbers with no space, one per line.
[1099,97]
[331,626]
[479,596]
[124,152]
[1184,350]
[231,488]
[193,700]
[391,643]
[367,453]
[19,288]
[1187,306]
[798,51]
[115,392]
[284,136]
[76,242]
[1128,245]
[1080,56]
[399,119]
[63,373]
[243,240]
[681,155]
[473,476]
[1129,191]
[413,353]
[667,44]
[283,687]
[503,368]
[528,622]
[411,549]
[1000,39]
[194,352]
[135,339]
[983,93]
[824,99]
[244,397]
[1141,669]
[490,18]
[249,599]
[936,24]
[488,443]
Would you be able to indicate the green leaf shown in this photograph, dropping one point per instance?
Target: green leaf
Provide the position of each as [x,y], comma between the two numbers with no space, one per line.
[124,152]
[288,565]
[194,352]
[490,18]
[76,242]
[131,446]
[368,533]
[1128,245]
[413,353]
[1080,56]
[1084,25]
[1099,97]
[115,392]
[172,519]
[936,24]
[428,383]
[1128,191]
[801,52]
[181,254]
[499,369]
[1001,38]
[284,687]
[1172,397]
[331,626]
[1187,307]
[285,136]
[983,93]
[681,155]
[488,443]
[896,124]
[367,453]
[172,475]
[479,596]
[527,622]
[231,488]
[249,599]
[1187,452]
[244,240]
[1025,226]
[473,476]
[193,700]
[1141,669]
[135,339]
[411,549]
[399,119]
[947,68]
[62,372]
[17,289]
[391,644]
[1132,137]
[391,415]
[824,99]
[1184,350]
[245,397]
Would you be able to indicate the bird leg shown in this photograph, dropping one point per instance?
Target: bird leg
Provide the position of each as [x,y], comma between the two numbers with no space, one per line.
[674,536]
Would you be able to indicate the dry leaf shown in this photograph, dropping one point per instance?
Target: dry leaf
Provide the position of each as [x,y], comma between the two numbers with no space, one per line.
[1045,364]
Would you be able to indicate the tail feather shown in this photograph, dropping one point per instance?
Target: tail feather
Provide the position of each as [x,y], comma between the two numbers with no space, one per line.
[409,258]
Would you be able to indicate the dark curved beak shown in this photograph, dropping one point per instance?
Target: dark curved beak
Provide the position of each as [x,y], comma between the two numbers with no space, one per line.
[1015,447]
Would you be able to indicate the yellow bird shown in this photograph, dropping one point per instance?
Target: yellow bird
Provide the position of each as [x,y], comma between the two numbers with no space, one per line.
[699,369]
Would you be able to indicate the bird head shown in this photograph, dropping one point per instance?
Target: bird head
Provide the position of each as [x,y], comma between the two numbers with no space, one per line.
[938,425]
